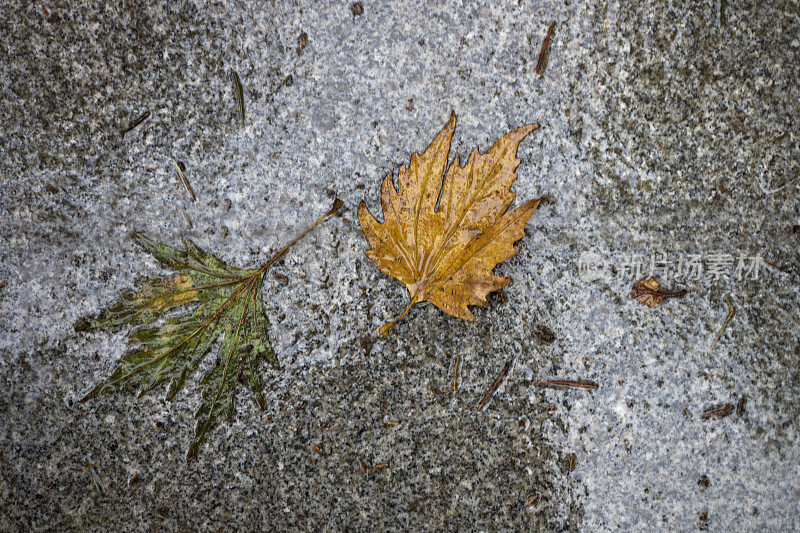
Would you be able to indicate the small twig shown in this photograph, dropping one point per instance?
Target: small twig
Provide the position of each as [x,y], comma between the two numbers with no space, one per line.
[363,470]
[188,220]
[571,458]
[496,384]
[452,388]
[532,499]
[184,180]
[561,383]
[144,116]
[544,47]
[740,405]
[95,479]
[380,465]
[718,412]
[775,267]
[731,312]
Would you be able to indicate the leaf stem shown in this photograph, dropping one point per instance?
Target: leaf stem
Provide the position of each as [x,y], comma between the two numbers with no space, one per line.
[249,293]
[384,330]
[336,205]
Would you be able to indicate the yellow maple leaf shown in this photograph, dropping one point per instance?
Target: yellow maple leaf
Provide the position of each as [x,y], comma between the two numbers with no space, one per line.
[446,228]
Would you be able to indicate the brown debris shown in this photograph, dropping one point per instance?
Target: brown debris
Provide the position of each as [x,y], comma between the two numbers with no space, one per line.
[496,384]
[544,47]
[718,412]
[452,388]
[648,292]
[544,334]
[238,91]
[181,169]
[561,383]
[740,406]
[144,116]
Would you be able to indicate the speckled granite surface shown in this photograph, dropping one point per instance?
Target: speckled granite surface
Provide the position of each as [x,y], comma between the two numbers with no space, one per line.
[665,128]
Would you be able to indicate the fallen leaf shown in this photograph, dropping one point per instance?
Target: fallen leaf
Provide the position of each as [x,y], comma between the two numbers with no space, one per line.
[227,316]
[650,293]
[446,228]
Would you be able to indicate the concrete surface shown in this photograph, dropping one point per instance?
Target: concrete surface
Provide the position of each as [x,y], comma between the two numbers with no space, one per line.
[666,128]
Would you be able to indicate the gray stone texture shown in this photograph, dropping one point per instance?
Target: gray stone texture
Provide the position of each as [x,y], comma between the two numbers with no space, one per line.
[666,127]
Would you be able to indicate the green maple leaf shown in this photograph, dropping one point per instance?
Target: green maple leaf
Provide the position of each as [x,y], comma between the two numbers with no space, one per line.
[178,321]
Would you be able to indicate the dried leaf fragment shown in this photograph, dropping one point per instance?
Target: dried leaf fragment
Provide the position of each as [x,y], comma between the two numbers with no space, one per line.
[181,168]
[238,90]
[446,227]
[648,292]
